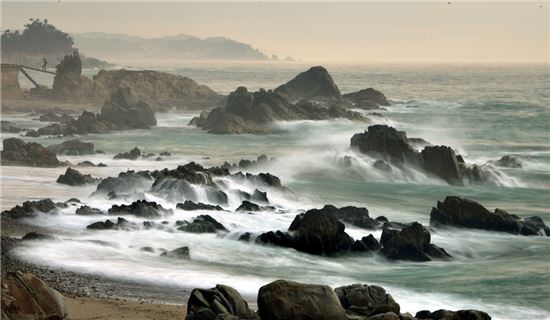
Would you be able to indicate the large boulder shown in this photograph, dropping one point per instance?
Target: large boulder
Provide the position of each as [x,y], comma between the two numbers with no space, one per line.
[365,300]
[202,224]
[355,216]
[140,208]
[73,177]
[220,302]
[30,208]
[281,300]
[386,142]
[73,148]
[313,84]
[17,152]
[25,296]
[158,89]
[367,99]
[126,111]
[466,213]
[412,242]
[442,161]
[69,83]
[125,182]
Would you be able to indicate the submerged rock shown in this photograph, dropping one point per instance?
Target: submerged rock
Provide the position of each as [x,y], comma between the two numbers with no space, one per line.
[133,154]
[140,208]
[73,177]
[190,205]
[179,253]
[127,181]
[202,224]
[442,161]
[25,296]
[465,213]
[109,225]
[410,243]
[355,216]
[17,152]
[508,161]
[313,84]
[87,211]
[73,148]
[30,208]
[220,302]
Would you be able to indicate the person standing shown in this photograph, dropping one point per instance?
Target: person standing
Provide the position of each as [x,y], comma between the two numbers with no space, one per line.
[45,63]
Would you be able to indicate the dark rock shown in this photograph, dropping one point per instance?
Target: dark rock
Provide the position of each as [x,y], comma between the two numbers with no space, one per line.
[368,243]
[452,315]
[165,153]
[248,206]
[367,99]
[149,249]
[32,133]
[441,161]
[259,196]
[30,208]
[465,213]
[108,225]
[140,208]
[245,237]
[190,205]
[382,165]
[365,300]
[73,147]
[49,117]
[386,142]
[25,296]
[355,216]
[281,300]
[73,200]
[16,152]
[125,182]
[73,177]
[69,83]
[86,164]
[313,84]
[9,127]
[87,211]
[37,236]
[410,243]
[179,253]
[126,111]
[203,224]
[508,161]
[133,154]
[266,179]
[220,302]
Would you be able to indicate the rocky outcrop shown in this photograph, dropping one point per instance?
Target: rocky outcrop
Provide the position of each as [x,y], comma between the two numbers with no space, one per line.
[508,161]
[73,148]
[281,300]
[202,224]
[29,209]
[464,213]
[386,142]
[73,177]
[247,112]
[313,84]
[25,296]
[16,152]
[87,211]
[140,208]
[126,111]
[316,231]
[441,161]
[452,315]
[69,83]
[368,99]
[366,301]
[121,224]
[125,182]
[190,206]
[355,216]
[158,89]
[220,302]
[410,243]
[133,154]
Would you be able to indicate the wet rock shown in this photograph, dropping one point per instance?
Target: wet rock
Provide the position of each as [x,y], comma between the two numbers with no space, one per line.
[133,154]
[367,99]
[32,133]
[190,205]
[125,182]
[29,209]
[248,206]
[126,111]
[508,161]
[73,147]
[73,177]
[9,127]
[31,236]
[442,161]
[313,84]
[150,249]
[245,237]
[87,211]
[49,117]
[366,244]
[355,216]
[281,300]
[179,253]
[412,242]
[140,208]
[17,152]
[220,302]
[109,225]
[367,301]
[452,315]
[86,164]
[202,224]
[382,165]
[386,142]
[25,296]
[165,154]
[465,213]
[266,179]
[259,196]
[73,200]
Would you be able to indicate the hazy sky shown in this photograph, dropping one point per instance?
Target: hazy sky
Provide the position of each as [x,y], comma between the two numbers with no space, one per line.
[344,32]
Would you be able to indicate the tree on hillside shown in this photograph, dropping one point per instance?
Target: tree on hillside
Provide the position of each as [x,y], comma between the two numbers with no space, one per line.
[38,37]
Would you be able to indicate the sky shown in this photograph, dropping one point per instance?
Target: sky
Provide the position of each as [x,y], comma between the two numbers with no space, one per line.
[385,32]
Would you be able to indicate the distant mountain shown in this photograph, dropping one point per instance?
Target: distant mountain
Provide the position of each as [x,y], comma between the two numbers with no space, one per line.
[182,47]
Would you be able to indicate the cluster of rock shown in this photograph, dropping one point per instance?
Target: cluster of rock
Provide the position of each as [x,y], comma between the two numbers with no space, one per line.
[464,213]
[73,177]
[16,152]
[320,232]
[282,299]
[393,146]
[262,160]
[122,111]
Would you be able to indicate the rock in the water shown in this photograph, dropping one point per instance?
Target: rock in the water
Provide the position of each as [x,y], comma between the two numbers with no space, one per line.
[69,83]
[179,253]
[452,315]
[126,111]
[248,206]
[25,296]
[410,243]
[133,154]
[313,84]
[355,216]
[442,161]
[49,117]
[368,243]
[282,300]
[202,224]
[140,208]
[220,302]
[465,213]
[9,127]
[73,148]
[87,211]
[30,208]
[386,142]
[367,99]
[365,300]
[108,225]
[125,182]
[73,177]
[508,161]
[190,206]
[16,152]
[31,236]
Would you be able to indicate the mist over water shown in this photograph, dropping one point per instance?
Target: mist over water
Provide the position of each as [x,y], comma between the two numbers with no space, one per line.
[484,112]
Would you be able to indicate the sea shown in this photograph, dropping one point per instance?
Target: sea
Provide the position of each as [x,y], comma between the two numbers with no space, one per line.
[482,111]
